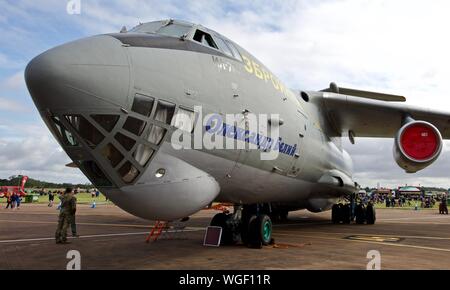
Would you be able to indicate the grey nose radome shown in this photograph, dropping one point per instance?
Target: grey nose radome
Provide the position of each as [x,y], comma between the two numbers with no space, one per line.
[85,74]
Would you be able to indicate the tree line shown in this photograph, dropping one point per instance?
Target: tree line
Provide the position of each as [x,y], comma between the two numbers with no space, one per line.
[34,183]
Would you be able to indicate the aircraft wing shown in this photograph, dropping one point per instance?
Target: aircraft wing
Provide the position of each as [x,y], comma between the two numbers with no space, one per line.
[367,117]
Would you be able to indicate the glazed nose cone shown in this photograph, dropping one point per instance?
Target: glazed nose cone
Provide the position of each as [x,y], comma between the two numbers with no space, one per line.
[91,73]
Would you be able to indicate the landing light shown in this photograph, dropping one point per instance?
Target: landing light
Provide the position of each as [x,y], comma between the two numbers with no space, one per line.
[160,173]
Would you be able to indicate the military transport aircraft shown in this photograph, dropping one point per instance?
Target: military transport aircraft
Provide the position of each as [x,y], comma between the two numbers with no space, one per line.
[114,102]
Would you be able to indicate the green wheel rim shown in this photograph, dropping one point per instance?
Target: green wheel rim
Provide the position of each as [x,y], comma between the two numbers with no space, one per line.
[267,230]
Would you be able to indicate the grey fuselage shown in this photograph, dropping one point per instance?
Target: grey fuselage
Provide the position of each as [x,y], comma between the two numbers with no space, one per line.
[77,82]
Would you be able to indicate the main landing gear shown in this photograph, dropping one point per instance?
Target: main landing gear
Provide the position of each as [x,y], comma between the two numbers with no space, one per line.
[353,211]
[250,224]
[360,213]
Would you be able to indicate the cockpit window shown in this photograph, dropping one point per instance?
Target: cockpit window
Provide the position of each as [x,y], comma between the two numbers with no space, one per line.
[164,112]
[235,51]
[142,105]
[167,28]
[150,27]
[175,30]
[224,47]
[205,39]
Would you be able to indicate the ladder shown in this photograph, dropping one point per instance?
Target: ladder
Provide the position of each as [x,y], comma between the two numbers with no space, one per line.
[156,231]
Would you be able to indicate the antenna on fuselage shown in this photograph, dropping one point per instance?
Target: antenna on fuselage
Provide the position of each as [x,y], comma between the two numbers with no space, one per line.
[168,22]
[124,29]
[183,37]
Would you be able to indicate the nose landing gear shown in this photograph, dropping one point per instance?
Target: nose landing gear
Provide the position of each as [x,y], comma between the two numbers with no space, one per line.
[250,224]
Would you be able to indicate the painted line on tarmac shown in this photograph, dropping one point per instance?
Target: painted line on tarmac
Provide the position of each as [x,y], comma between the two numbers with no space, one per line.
[414,218]
[81,237]
[96,224]
[367,242]
[378,220]
[84,224]
[378,235]
[54,213]
[416,223]
[303,224]
[89,236]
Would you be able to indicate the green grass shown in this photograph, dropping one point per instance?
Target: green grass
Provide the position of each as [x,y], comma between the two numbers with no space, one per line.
[412,206]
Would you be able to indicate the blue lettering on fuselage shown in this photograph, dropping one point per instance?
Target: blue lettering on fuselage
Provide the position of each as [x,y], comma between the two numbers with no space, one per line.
[215,125]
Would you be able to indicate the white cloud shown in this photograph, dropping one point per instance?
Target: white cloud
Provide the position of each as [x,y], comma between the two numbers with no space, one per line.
[8,105]
[374,163]
[6,62]
[38,156]
[3,59]
[15,81]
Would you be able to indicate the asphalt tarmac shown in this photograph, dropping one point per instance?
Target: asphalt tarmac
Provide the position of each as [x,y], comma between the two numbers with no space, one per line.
[113,239]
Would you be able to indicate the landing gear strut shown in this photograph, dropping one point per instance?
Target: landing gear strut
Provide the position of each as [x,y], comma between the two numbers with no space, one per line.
[362,214]
[249,223]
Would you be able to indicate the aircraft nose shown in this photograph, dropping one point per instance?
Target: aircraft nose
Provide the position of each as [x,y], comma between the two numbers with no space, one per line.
[89,73]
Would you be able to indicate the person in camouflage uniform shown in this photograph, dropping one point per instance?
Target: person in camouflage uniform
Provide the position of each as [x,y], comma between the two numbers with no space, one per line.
[68,209]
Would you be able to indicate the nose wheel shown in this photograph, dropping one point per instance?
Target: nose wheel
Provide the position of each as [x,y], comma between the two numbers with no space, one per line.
[252,227]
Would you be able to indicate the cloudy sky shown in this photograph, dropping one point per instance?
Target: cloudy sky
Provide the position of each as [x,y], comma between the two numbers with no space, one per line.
[392,46]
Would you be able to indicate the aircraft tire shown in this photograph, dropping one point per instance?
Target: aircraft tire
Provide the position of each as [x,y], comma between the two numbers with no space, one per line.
[346,214]
[370,214]
[264,224]
[336,215]
[220,220]
[360,213]
[253,234]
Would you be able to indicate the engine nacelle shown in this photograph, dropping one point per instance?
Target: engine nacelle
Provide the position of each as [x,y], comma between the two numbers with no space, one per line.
[417,145]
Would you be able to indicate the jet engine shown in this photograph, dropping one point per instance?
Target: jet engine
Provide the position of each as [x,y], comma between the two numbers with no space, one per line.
[417,145]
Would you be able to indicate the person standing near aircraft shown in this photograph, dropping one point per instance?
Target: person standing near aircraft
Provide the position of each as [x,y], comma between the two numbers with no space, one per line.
[68,209]
[51,198]
[9,200]
[18,201]
[13,200]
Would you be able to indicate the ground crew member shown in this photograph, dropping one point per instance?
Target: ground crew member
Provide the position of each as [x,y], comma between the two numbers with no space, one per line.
[68,209]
